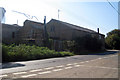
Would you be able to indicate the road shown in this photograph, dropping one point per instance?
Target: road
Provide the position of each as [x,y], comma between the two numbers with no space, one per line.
[79,66]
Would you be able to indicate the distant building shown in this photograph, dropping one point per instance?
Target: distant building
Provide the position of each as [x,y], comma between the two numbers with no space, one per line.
[9,33]
[33,33]
[66,31]
[60,31]
[2,14]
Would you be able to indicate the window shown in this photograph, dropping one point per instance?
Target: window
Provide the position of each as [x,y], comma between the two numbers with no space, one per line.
[13,35]
[52,29]
[100,37]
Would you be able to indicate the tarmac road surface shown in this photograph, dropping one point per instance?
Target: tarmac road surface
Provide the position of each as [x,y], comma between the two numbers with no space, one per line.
[79,66]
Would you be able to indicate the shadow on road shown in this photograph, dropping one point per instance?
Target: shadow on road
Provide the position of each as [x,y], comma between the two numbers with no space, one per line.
[10,65]
[105,53]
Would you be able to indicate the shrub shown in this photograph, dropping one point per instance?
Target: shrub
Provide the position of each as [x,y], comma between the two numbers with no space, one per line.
[25,52]
[83,44]
[66,53]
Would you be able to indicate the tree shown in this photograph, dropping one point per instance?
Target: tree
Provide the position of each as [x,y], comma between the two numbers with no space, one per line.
[113,39]
[115,31]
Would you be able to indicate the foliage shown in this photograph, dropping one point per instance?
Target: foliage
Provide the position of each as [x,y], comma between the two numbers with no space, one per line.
[82,44]
[87,43]
[113,39]
[25,52]
[115,31]
[68,45]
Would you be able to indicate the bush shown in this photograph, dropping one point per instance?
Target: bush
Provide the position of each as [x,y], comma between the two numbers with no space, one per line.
[66,53]
[25,52]
[83,44]
[87,43]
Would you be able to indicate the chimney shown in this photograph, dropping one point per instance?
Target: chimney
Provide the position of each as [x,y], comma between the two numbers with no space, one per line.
[98,30]
[44,20]
[45,27]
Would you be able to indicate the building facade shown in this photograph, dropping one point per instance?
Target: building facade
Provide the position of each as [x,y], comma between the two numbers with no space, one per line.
[33,33]
[60,31]
[10,33]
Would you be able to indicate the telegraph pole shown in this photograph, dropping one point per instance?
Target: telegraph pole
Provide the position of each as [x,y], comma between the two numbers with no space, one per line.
[17,21]
[118,15]
[58,13]
[45,33]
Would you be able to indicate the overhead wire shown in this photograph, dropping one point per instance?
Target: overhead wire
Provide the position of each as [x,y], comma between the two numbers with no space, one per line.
[113,7]
[96,25]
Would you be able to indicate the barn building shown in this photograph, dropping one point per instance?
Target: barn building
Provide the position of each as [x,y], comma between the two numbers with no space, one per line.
[33,33]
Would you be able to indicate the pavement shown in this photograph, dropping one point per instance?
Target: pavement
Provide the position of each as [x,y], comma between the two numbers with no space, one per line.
[79,66]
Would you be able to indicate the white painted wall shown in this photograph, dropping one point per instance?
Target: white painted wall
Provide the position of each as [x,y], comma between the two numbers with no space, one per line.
[2,14]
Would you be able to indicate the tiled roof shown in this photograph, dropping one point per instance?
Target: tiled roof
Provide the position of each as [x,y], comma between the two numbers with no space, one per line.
[34,24]
[75,26]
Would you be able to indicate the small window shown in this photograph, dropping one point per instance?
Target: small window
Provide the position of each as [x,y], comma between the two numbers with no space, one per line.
[13,35]
[100,37]
[52,29]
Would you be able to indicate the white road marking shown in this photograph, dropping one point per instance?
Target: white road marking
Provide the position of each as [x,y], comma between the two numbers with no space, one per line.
[96,67]
[68,67]
[76,65]
[3,76]
[49,68]
[57,69]
[104,57]
[36,70]
[87,61]
[19,73]
[103,67]
[113,55]
[60,66]
[110,56]
[28,75]
[82,62]
[45,72]
[98,59]
[69,64]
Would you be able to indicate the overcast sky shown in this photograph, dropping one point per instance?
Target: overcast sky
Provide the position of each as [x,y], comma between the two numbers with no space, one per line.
[93,14]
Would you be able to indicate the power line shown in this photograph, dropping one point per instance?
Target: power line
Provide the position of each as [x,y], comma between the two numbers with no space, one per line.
[26,15]
[113,7]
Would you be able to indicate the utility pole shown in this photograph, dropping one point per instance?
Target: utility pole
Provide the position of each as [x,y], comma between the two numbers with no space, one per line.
[118,15]
[58,13]
[45,33]
[17,21]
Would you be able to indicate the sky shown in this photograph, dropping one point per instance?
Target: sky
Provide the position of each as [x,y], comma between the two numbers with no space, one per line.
[91,14]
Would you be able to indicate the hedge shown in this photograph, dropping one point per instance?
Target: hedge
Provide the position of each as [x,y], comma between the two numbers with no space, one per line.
[23,52]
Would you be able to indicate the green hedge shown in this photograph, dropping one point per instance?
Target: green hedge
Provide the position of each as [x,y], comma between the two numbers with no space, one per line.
[24,52]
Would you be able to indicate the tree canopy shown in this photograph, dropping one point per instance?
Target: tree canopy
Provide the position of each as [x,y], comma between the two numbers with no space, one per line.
[113,39]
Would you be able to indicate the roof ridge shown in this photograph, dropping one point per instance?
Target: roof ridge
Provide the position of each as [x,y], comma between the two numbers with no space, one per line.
[75,25]
[33,21]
